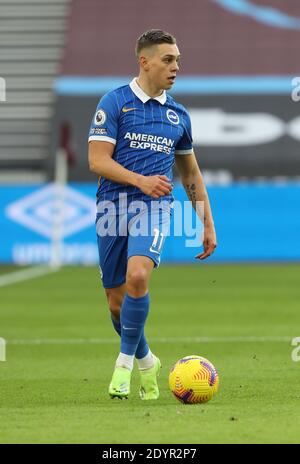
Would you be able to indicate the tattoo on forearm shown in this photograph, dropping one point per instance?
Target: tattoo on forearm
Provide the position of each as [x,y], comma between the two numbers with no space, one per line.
[191,192]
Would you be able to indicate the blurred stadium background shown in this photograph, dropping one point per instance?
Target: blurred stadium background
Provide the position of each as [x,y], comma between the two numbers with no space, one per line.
[239,59]
[238,62]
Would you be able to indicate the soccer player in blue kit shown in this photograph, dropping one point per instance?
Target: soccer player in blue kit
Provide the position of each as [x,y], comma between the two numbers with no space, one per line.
[137,134]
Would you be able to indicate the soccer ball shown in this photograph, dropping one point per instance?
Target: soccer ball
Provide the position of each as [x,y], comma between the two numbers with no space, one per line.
[193,379]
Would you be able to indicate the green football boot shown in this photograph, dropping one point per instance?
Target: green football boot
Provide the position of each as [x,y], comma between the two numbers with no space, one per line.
[120,383]
[149,387]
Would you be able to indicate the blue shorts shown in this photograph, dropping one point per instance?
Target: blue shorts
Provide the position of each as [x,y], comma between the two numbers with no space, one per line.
[121,236]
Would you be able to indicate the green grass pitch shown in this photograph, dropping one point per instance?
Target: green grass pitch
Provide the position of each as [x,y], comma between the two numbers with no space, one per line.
[55,391]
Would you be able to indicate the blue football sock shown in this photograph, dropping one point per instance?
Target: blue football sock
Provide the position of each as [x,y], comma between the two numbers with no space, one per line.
[142,349]
[133,317]
[117,325]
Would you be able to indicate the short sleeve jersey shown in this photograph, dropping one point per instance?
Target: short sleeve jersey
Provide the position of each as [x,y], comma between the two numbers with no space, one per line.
[147,133]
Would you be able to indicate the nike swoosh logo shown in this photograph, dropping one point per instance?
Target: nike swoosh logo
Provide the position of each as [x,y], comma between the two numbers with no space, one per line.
[129,328]
[125,110]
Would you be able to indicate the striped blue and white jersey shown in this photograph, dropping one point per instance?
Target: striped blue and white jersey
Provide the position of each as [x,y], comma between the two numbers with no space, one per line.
[147,133]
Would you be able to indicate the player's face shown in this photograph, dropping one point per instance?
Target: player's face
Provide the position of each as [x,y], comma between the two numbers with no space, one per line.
[163,65]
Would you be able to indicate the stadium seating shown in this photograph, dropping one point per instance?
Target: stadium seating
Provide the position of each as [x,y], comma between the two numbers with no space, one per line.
[32,43]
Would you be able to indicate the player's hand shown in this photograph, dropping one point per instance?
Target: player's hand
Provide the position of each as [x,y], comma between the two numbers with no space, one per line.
[209,242]
[155,186]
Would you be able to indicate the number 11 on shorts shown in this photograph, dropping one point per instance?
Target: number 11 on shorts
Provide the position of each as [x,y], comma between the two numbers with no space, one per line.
[157,241]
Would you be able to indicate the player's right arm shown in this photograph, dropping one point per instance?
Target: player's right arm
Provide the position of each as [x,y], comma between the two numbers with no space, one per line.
[102,164]
[102,141]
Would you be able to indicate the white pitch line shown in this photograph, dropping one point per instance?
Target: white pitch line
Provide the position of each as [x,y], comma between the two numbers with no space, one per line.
[26,274]
[105,341]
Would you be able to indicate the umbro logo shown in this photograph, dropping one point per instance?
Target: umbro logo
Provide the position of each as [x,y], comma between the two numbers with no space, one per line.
[125,110]
[38,210]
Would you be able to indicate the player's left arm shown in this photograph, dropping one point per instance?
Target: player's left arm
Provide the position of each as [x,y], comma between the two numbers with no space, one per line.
[194,186]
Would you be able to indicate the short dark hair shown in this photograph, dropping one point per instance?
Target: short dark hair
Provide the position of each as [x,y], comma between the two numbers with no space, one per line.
[153,37]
